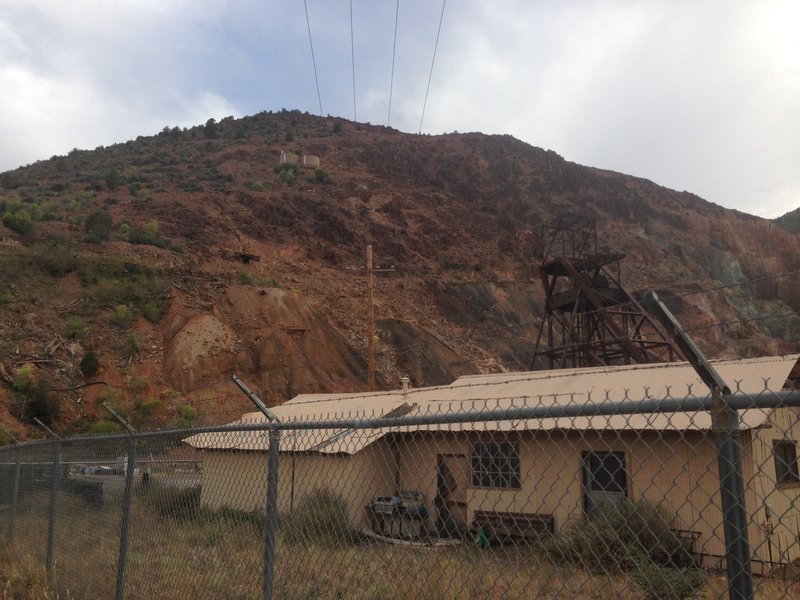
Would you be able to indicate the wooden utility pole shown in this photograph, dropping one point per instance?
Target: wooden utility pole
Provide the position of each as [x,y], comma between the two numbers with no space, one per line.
[371,326]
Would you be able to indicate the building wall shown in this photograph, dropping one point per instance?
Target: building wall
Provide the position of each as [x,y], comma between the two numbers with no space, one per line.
[783,500]
[676,470]
[238,479]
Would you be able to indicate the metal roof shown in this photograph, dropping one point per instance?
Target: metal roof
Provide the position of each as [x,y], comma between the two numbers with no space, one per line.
[514,390]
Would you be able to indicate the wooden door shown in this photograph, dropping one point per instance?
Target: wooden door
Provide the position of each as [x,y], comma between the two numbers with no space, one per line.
[452,479]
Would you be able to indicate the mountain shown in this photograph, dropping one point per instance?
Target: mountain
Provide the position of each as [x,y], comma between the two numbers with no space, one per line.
[790,221]
[146,273]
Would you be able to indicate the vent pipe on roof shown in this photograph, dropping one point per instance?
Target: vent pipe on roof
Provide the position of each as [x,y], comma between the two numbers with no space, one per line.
[404,380]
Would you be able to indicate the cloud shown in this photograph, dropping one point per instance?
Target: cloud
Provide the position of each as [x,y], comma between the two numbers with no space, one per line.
[696,96]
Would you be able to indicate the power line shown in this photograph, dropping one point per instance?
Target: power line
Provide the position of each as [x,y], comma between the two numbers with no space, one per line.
[313,60]
[353,60]
[394,51]
[433,60]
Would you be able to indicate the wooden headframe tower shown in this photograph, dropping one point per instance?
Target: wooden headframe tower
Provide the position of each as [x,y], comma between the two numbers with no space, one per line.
[589,318]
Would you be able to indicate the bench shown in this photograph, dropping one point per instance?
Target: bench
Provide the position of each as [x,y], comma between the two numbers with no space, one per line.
[505,526]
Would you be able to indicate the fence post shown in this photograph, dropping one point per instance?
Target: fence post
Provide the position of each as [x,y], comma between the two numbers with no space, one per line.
[725,425]
[51,525]
[14,494]
[271,525]
[122,558]
[14,484]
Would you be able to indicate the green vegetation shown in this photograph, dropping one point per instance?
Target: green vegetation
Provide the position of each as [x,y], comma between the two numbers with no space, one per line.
[321,176]
[172,535]
[122,316]
[150,236]
[320,518]
[131,346]
[244,277]
[104,427]
[111,281]
[90,364]
[635,538]
[75,327]
[18,217]
[187,414]
[98,226]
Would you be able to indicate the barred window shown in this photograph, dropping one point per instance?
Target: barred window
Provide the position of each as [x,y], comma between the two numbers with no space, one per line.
[785,454]
[495,464]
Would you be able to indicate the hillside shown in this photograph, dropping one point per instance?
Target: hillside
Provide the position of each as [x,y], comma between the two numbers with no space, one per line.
[178,259]
[790,221]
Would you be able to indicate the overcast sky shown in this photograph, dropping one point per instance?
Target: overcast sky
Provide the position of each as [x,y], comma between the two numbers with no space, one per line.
[696,95]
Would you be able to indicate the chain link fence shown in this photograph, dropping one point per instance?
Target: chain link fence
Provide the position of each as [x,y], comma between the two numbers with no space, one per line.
[521,497]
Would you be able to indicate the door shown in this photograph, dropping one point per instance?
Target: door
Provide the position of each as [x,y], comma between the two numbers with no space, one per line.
[605,479]
[452,477]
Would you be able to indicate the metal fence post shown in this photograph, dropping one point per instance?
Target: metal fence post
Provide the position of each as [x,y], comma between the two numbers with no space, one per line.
[271,525]
[14,484]
[725,425]
[51,526]
[14,494]
[122,558]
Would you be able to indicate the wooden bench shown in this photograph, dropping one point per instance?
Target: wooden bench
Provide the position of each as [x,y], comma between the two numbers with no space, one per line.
[508,526]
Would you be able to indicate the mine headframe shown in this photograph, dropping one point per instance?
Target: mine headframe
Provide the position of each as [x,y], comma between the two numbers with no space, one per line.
[589,318]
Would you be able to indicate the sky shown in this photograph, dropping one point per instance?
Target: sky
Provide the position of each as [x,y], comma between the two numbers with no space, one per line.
[697,95]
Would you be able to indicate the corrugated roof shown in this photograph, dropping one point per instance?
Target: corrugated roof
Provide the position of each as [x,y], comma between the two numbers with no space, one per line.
[515,390]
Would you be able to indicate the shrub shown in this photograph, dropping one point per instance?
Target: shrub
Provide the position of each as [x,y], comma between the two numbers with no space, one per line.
[244,276]
[132,346]
[42,404]
[56,257]
[186,416]
[152,312]
[75,327]
[619,536]
[25,378]
[19,221]
[321,176]
[90,364]
[320,518]
[286,177]
[98,226]
[145,409]
[122,316]
[109,395]
[182,504]
[104,427]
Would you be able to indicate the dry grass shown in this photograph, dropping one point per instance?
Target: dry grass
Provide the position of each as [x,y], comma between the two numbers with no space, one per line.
[212,556]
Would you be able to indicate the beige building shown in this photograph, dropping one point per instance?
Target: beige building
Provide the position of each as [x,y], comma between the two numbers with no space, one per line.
[552,468]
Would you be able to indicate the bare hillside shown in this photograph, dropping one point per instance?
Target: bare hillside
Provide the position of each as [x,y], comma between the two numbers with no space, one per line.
[153,270]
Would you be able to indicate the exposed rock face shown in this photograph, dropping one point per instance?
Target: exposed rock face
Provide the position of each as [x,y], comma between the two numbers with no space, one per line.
[218,264]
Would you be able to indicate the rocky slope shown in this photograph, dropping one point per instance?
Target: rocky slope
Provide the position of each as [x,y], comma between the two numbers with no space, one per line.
[179,259]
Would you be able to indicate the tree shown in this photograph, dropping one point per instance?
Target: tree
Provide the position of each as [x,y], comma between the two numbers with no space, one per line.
[210,128]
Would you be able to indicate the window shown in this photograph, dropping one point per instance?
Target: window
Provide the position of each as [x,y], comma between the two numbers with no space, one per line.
[605,479]
[495,464]
[785,453]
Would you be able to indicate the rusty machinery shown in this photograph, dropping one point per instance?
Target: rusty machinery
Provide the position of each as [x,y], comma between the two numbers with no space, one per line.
[589,318]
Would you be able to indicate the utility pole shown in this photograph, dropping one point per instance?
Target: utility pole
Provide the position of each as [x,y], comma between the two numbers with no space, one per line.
[371,326]
[370,272]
